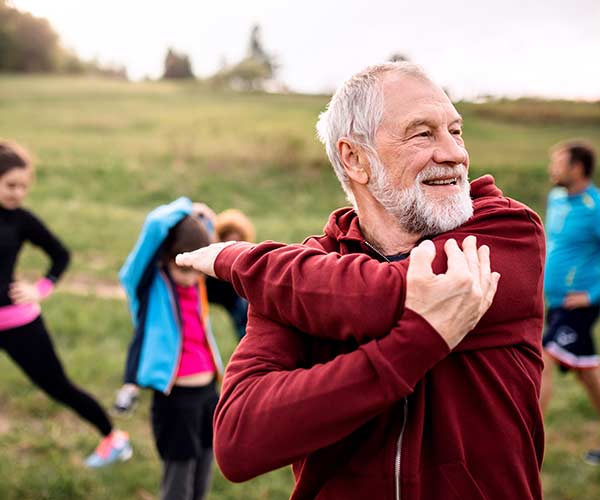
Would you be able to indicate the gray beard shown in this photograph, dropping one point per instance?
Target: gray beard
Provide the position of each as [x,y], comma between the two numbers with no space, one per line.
[414,211]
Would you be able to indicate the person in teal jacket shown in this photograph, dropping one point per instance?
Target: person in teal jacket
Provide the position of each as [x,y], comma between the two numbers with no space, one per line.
[572,274]
[153,357]
[173,350]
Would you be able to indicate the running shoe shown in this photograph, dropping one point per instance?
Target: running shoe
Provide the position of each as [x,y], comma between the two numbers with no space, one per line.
[125,400]
[113,448]
[592,457]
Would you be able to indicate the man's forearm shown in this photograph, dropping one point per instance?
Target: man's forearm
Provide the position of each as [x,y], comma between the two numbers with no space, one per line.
[272,413]
[322,294]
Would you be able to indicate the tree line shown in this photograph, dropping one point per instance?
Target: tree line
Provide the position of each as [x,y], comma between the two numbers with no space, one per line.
[29,44]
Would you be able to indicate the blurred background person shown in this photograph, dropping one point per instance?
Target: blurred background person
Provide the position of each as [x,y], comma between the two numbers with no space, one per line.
[23,334]
[572,283]
[173,351]
[231,225]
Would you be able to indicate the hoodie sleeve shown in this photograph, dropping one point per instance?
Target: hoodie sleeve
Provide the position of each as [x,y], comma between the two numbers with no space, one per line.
[271,412]
[320,293]
[155,229]
[355,296]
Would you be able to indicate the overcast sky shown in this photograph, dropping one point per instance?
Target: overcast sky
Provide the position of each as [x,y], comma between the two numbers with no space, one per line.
[545,48]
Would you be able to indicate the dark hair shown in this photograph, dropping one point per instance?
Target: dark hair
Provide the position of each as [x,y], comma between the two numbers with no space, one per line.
[12,156]
[187,235]
[579,152]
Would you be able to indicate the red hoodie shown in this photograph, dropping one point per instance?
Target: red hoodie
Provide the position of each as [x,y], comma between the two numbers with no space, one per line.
[371,404]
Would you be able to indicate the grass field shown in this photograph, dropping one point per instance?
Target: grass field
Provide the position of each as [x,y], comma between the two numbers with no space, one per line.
[110,151]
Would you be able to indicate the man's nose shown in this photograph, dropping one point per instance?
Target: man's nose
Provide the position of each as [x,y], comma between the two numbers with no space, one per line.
[448,151]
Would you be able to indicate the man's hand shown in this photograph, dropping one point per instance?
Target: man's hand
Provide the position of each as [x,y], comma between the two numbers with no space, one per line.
[203,259]
[453,302]
[22,292]
[575,300]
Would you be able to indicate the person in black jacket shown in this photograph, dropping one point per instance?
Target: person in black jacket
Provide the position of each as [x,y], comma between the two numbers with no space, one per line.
[231,225]
[23,335]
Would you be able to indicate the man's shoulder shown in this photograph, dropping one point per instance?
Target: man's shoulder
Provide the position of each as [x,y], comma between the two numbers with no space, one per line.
[500,207]
[487,197]
[557,194]
[500,217]
[342,226]
[322,242]
[594,196]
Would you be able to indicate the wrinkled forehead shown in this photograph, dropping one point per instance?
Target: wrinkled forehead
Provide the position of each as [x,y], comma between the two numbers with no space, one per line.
[407,98]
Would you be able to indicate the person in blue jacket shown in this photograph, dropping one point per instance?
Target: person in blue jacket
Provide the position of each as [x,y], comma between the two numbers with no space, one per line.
[572,275]
[173,351]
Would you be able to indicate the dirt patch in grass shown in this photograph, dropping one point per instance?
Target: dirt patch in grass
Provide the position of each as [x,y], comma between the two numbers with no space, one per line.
[4,425]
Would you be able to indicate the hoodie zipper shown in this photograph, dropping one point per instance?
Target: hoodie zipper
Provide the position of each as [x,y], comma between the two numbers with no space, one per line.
[398,460]
[372,248]
[398,457]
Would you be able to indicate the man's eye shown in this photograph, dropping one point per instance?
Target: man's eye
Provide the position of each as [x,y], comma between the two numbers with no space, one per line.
[456,132]
[425,133]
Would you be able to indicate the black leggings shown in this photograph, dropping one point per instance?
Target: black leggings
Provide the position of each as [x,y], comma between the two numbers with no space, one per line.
[31,348]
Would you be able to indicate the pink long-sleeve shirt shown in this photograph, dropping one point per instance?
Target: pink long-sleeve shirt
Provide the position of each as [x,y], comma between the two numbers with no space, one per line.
[195,354]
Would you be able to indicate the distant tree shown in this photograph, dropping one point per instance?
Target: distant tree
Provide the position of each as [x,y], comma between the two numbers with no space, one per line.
[259,55]
[30,44]
[27,43]
[255,72]
[177,65]
[398,57]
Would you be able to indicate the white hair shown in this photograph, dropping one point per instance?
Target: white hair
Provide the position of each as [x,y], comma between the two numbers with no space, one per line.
[355,111]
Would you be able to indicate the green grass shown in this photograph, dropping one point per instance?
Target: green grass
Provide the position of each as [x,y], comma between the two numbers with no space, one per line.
[109,151]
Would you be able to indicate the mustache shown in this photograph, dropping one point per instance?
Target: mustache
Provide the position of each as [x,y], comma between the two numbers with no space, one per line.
[440,171]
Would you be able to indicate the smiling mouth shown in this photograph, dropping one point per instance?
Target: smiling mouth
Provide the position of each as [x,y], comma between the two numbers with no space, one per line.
[453,181]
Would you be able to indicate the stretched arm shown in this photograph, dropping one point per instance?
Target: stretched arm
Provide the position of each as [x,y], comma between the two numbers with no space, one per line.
[326,294]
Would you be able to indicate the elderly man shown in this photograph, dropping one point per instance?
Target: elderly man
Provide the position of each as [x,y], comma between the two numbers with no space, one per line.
[354,367]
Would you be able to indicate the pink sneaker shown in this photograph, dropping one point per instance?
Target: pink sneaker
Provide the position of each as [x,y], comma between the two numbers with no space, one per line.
[113,448]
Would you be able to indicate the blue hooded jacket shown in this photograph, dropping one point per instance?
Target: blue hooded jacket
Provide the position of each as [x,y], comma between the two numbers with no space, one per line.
[155,350]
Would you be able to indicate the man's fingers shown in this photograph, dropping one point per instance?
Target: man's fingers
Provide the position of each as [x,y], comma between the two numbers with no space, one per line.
[484,260]
[490,293]
[457,262]
[421,258]
[203,259]
[196,259]
[469,247]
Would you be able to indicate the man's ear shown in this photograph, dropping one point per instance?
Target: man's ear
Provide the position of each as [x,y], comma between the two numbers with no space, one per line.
[355,160]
